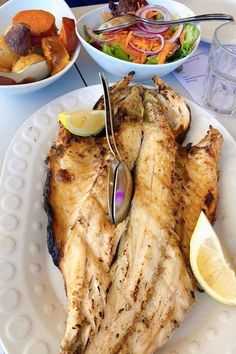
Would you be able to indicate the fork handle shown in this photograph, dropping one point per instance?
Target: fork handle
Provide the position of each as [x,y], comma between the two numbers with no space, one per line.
[206,17]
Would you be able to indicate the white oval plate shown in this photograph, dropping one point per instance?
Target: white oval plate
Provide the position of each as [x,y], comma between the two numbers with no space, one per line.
[200,7]
[32,298]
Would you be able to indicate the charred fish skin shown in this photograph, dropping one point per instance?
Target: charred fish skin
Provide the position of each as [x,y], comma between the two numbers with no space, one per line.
[51,242]
[57,149]
[196,185]
[150,265]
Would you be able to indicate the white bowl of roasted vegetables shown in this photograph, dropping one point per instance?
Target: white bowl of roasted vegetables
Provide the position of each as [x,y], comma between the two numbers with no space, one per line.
[146,49]
[34,32]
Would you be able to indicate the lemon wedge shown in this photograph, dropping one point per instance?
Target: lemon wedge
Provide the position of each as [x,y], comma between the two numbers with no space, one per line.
[83,123]
[209,265]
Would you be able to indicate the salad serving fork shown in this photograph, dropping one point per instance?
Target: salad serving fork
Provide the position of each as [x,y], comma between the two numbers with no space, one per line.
[126,20]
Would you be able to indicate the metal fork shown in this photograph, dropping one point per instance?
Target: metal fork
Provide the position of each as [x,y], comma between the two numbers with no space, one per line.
[119,183]
[126,20]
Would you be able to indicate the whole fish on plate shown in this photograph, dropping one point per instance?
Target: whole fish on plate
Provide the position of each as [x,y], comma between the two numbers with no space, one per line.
[128,286]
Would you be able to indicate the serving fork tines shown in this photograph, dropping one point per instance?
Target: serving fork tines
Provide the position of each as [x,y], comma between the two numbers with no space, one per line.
[120,183]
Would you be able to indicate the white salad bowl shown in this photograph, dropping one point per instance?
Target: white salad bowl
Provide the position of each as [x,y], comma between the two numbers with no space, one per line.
[59,9]
[120,67]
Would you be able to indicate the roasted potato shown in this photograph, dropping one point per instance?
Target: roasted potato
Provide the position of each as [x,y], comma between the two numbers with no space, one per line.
[18,38]
[56,53]
[68,35]
[7,57]
[26,61]
[4,69]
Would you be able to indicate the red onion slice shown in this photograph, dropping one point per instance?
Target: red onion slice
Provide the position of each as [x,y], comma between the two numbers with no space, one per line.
[143,11]
[176,47]
[143,34]
[157,29]
[148,52]
[139,11]
[96,38]
[165,13]
[176,34]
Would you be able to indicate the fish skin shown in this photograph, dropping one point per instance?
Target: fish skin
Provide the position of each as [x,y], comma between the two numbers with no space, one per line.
[150,265]
[196,185]
[175,108]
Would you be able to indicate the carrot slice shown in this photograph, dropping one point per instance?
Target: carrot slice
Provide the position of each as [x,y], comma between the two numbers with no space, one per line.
[151,14]
[143,58]
[168,34]
[128,38]
[120,38]
[182,37]
[161,58]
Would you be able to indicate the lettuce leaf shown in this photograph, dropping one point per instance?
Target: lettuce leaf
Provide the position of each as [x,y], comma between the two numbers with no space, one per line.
[191,35]
[107,50]
[151,60]
[159,17]
[86,35]
[115,51]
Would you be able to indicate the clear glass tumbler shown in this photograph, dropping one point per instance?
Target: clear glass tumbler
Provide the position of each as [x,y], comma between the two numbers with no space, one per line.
[220,80]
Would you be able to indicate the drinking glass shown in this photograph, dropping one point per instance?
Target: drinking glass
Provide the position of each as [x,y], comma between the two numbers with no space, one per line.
[220,79]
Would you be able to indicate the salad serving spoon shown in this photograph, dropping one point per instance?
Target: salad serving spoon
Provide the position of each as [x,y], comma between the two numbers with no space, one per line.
[126,20]
[120,182]
[33,72]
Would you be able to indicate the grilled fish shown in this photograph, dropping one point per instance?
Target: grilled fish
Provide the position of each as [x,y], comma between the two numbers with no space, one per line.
[195,185]
[81,237]
[151,291]
[128,286]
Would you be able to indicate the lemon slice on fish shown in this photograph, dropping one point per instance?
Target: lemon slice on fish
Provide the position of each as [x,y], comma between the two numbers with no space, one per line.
[209,264]
[83,123]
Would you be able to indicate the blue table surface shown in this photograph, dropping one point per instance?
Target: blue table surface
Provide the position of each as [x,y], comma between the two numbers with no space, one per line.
[76,3]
